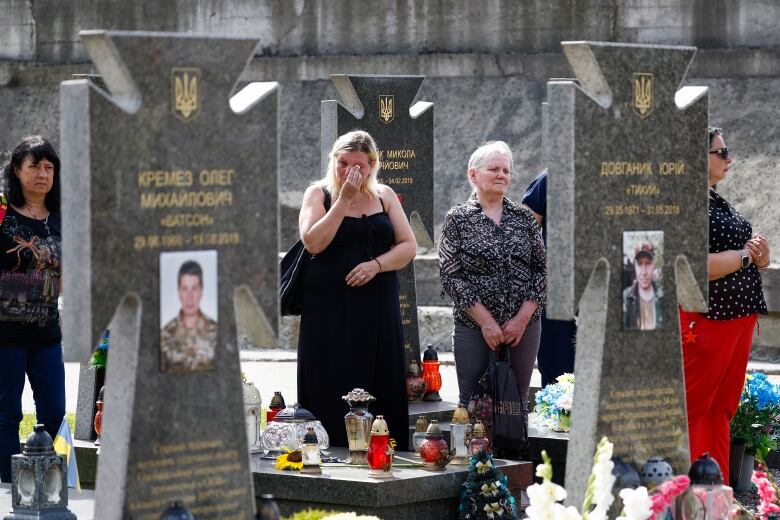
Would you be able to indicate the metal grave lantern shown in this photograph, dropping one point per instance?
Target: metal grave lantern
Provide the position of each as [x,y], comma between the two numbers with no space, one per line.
[252,402]
[39,476]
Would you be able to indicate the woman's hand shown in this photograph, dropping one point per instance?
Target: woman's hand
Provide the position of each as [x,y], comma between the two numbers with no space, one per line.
[758,248]
[362,274]
[514,329]
[493,334]
[351,187]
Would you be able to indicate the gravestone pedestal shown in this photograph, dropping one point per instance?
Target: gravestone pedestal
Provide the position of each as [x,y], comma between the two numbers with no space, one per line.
[627,215]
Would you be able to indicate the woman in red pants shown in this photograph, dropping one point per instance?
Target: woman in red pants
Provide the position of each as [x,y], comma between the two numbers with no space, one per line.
[716,345]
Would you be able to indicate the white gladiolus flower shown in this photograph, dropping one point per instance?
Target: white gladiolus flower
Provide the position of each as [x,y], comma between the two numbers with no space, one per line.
[637,505]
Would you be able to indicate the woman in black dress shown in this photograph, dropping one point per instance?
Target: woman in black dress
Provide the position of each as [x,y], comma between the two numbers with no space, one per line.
[350,334]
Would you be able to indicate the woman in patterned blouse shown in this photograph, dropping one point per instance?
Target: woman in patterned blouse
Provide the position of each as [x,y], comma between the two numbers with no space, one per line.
[492,264]
[716,345]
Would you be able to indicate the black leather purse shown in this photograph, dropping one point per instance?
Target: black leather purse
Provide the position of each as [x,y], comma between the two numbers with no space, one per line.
[292,269]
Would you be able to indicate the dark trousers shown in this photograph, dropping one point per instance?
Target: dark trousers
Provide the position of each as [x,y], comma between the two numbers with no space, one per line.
[556,349]
[472,355]
[45,369]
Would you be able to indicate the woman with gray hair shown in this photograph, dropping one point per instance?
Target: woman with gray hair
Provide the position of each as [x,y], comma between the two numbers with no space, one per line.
[351,315]
[492,265]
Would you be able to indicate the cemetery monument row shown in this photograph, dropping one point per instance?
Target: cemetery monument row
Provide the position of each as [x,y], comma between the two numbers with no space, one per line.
[382,106]
[170,209]
[626,149]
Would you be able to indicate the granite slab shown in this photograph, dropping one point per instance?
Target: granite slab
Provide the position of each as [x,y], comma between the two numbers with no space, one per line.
[411,494]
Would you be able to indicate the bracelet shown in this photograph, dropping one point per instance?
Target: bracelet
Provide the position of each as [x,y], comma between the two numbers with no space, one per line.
[763,267]
[379,263]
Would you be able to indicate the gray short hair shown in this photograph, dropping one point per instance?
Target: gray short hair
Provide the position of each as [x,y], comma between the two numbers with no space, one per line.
[487,149]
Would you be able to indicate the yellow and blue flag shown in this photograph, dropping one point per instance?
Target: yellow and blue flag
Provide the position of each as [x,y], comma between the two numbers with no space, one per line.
[63,445]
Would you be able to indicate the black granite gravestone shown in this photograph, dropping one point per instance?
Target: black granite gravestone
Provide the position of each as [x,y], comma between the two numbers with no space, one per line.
[168,169]
[382,106]
[627,238]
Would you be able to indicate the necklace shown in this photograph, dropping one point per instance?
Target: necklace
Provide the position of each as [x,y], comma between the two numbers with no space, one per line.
[44,221]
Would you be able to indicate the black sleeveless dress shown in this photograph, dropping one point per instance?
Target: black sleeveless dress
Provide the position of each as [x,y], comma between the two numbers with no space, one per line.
[351,336]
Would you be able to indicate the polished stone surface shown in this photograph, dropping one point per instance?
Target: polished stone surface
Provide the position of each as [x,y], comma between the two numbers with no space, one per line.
[626,159]
[168,162]
[412,493]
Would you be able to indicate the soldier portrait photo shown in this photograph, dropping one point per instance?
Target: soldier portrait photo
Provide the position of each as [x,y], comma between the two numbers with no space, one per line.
[642,292]
[188,337]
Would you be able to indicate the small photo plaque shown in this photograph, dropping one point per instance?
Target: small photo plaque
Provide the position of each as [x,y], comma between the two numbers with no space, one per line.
[188,311]
[642,280]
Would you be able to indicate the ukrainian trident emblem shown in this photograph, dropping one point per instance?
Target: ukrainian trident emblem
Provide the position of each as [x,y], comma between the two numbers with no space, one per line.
[386,110]
[185,84]
[643,93]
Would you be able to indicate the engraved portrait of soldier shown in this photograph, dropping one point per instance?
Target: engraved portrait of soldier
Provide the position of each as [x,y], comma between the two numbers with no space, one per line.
[188,340]
[642,280]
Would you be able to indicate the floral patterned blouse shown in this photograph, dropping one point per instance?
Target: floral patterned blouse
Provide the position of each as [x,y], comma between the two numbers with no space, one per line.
[500,266]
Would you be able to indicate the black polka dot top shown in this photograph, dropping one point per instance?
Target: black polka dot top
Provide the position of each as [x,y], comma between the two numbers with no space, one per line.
[737,294]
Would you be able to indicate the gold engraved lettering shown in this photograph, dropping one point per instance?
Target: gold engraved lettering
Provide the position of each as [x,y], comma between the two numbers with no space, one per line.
[612,168]
[643,190]
[164,178]
[216,177]
[186,220]
[671,168]
[187,199]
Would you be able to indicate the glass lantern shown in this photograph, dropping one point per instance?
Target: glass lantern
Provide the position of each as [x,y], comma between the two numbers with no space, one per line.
[431,374]
[434,450]
[358,423]
[252,407]
[460,436]
[39,480]
[274,407]
[380,453]
[310,451]
[420,427]
[479,441]
[289,427]
[710,499]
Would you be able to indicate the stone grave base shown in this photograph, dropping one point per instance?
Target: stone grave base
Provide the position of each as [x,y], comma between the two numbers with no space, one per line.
[413,493]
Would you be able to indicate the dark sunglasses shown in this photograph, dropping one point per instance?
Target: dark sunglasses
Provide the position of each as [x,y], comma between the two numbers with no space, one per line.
[722,152]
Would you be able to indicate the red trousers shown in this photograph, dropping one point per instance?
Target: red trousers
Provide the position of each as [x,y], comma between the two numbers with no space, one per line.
[715,355]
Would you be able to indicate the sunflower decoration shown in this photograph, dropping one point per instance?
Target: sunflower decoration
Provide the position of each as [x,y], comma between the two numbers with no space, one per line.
[290,459]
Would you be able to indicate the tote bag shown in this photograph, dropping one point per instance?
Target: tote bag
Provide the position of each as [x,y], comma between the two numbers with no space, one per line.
[292,269]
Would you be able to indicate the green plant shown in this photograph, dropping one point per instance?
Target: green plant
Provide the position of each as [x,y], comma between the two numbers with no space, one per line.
[28,421]
[755,422]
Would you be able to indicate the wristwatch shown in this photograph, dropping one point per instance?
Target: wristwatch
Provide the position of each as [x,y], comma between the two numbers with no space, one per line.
[744,257]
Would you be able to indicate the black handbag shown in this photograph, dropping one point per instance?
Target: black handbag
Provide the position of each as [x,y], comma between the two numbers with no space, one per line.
[292,269]
[510,417]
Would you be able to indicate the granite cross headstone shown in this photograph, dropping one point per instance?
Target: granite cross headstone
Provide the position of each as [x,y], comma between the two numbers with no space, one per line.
[382,106]
[169,210]
[627,238]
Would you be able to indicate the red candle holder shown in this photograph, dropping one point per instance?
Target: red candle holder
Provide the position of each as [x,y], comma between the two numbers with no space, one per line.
[380,453]
[431,374]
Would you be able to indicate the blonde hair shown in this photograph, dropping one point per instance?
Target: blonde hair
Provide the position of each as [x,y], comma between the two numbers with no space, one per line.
[355,141]
[487,149]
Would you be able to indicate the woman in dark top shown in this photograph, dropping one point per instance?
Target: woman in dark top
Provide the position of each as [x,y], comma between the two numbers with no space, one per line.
[716,345]
[30,271]
[350,333]
[492,265]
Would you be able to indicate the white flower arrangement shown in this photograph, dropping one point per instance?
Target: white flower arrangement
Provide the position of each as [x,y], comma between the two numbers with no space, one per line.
[545,498]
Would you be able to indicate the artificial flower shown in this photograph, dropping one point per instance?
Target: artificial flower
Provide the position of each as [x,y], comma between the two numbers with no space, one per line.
[350,516]
[664,493]
[554,401]
[292,460]
[636,504]
[767,492]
